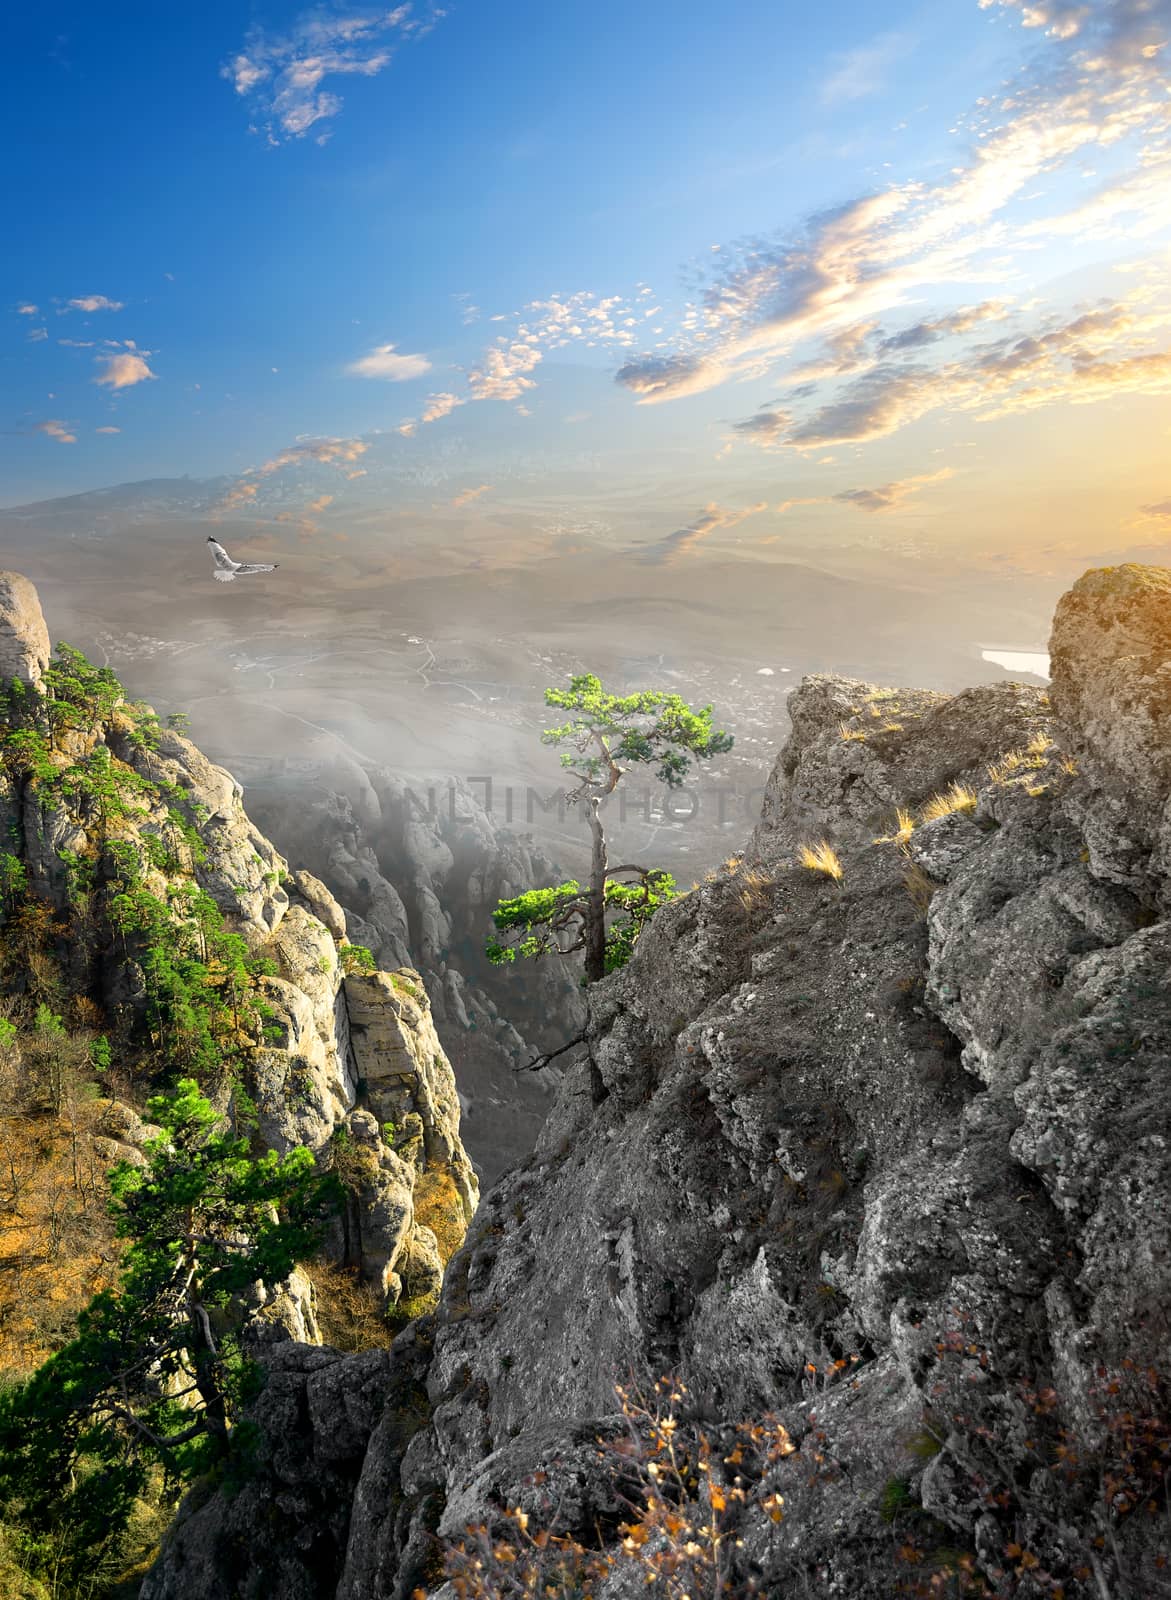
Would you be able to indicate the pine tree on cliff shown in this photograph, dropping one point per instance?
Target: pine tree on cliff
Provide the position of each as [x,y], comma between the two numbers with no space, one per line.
[608,733]
[156,1374]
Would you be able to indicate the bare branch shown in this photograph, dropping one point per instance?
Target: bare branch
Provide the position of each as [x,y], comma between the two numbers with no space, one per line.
[538,1063]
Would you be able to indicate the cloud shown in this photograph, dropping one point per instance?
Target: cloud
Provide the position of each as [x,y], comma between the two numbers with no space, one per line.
[440,405]
[283,75]
[326,452]
[93,302]
[800,500]
[1094,356]
[384,361]
[57,430]
[861,71]
[766,428]
[710,520]
[35,335]
[584,318]
[1115,32]
[668,377]
[1159,510]
[243,494]
[26,309]
[931,330]
[340,453]
[883,497]
[124,370]
[319,504]
[889,496]
[468,495]
[502,373]
[1096,88]
[107,430]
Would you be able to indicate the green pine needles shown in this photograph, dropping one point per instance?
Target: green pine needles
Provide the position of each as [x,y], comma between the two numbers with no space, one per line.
[156,1377]
[606,734]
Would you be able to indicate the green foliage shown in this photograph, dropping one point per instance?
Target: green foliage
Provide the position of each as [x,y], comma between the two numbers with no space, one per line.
[76,691]
[13,880]
[648,727]
[156,1374]
[608,732]
[545,922]
[355,958]
[896,1498]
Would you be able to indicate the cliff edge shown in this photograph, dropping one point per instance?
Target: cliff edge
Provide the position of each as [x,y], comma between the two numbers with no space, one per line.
[874,1157]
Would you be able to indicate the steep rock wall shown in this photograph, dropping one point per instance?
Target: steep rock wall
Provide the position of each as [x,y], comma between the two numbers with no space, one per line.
[182,820]
[888,1156]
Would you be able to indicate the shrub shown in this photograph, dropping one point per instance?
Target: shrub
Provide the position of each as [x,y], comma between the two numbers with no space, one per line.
[355,958]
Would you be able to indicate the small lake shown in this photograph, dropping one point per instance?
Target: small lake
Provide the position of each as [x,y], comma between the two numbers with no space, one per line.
[1034,661]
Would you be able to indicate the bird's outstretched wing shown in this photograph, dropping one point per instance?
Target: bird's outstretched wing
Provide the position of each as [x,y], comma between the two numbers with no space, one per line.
[243,568]
[225,568]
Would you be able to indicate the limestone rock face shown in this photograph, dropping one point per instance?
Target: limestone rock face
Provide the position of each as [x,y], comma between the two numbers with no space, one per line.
[284,1533]
[857,751]
[889,1158]
[1111,665]
[187,829]
[24,638]
[418,869]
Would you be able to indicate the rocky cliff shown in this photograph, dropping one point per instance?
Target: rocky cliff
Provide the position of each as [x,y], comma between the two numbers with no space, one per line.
[418,868]
[133,855]
[874,1156]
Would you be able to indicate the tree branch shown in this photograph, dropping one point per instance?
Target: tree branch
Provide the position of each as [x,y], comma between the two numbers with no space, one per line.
[539,1063]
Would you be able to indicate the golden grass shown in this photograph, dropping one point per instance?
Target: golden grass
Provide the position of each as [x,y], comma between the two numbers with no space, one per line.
[438,1206]
[956,798]
[57,1244]
[848,733]
[1030,759]
[904,828]
[349,1312]
[821,857]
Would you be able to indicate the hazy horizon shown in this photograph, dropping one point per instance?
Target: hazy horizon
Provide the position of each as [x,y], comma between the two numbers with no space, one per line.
[720,349]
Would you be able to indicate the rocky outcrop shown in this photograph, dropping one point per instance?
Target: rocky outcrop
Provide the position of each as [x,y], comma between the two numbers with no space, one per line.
[419,868]
[283,1531]
[105,783]
[1111,666]
[24,638]
[884,1155]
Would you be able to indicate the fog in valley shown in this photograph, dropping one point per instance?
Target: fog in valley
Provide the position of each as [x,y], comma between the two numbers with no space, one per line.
[423,646]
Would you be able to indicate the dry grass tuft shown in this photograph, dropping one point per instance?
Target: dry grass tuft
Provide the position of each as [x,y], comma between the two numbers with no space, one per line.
[1039,745]
[904,828]
[821,857]
[920,887]
[849,733]
[957,798]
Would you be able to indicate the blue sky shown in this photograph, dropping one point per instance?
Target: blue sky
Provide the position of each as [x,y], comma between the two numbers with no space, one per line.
[833,262]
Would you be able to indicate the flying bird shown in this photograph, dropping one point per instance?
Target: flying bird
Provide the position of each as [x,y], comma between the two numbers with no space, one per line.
[226,569]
